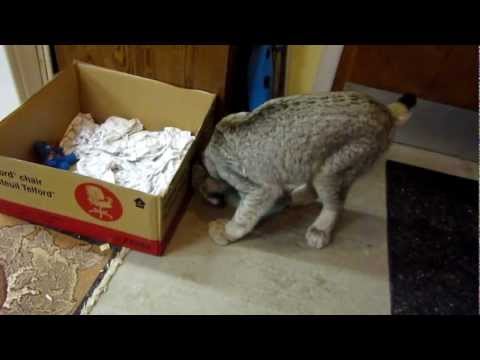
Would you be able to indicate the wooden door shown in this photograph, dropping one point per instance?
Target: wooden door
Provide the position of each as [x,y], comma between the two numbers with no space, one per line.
[445,74]
[191,66]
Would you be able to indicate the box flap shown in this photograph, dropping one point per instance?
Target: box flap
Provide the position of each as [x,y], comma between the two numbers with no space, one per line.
[43,117]
[105,92]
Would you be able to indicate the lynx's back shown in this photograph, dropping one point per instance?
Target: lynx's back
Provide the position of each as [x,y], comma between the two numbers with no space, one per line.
[286,137]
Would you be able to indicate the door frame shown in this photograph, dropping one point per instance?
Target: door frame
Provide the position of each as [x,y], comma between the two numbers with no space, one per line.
[328,68]
[31,67]
[326,71]
[344,67]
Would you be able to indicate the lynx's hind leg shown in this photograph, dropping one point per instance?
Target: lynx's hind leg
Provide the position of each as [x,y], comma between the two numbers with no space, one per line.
[332,184]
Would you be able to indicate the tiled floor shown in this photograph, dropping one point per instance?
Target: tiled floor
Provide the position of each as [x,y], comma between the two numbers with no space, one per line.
[268,273]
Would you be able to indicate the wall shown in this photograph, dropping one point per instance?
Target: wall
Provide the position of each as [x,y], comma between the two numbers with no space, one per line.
[311,68]
[9,97]
[303,62]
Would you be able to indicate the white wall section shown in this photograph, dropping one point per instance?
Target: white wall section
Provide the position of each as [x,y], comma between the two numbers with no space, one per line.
[9,96]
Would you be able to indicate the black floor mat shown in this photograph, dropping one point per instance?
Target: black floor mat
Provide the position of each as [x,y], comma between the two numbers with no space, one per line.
[432,242]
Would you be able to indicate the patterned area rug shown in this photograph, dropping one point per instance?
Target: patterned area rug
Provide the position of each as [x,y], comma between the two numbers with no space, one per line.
[44,272]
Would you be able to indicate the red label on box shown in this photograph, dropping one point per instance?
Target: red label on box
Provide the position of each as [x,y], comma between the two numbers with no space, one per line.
[98,202]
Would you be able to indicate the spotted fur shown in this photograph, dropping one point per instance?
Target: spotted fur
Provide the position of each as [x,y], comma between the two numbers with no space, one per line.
[305,148]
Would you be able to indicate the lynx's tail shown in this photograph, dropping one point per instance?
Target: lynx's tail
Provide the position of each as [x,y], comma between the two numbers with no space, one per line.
[400,109]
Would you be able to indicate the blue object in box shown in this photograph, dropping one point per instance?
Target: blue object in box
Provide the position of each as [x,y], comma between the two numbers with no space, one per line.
[260,74]
[53,156]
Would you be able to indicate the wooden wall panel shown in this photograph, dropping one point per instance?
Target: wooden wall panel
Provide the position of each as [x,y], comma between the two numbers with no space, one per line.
[214,57]
[204,67]
[446,74]
[117,57]
[165,63]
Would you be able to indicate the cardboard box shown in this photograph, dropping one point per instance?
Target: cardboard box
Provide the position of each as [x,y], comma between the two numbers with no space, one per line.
[63,200]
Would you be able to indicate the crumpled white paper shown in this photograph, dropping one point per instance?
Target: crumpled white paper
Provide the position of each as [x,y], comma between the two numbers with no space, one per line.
[119,151]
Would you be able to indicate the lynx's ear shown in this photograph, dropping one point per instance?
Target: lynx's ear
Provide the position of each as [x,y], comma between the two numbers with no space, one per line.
[211,189]
[214,186]
[214,191]
[199,175]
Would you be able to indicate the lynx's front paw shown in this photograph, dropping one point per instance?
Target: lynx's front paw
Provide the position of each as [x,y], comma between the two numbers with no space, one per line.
[216,231]
[317,238]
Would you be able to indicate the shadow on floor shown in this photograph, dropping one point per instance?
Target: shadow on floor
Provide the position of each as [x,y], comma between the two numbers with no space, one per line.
[359,243]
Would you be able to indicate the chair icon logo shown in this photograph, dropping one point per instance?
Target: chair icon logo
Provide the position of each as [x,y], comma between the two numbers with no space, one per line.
[98,202]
